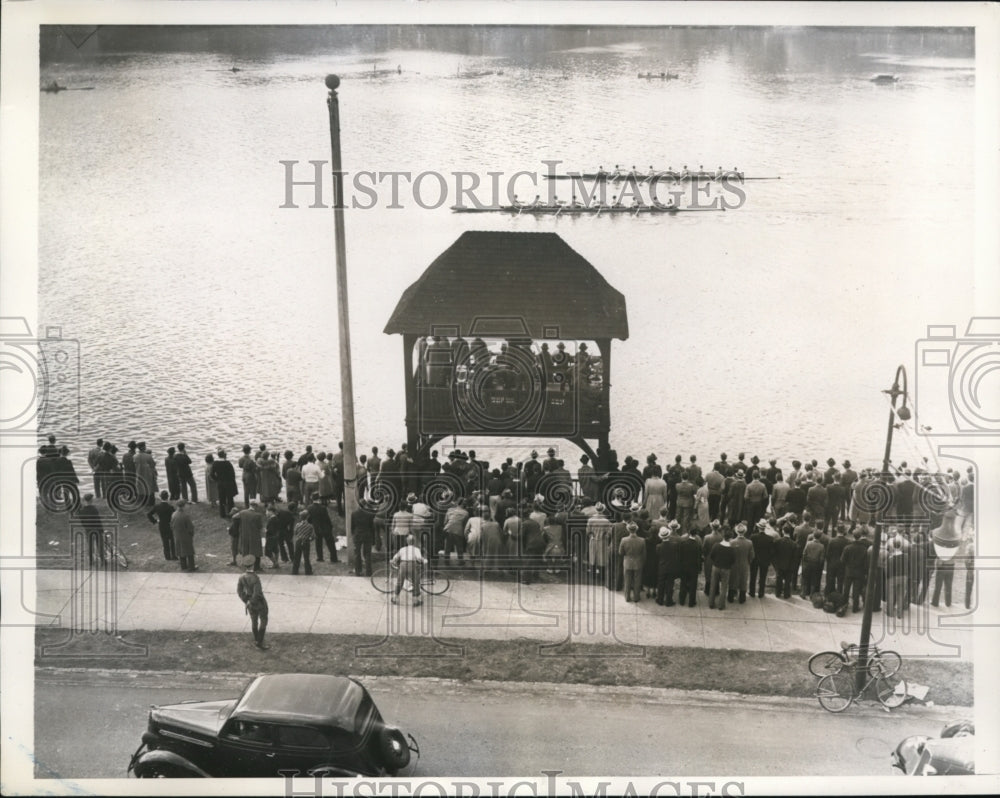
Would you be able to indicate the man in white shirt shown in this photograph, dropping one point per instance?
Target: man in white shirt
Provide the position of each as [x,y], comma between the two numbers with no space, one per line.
[310,479]
[409,561]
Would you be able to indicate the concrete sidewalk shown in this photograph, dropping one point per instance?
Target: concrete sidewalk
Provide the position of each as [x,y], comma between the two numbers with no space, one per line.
[475,609]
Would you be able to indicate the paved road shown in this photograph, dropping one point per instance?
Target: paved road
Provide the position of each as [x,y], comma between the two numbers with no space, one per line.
[87,725]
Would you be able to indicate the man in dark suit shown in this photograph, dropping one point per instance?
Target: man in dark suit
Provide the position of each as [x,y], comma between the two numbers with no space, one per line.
[320,519]
[224,476]
[363,536]
[734,499]
[847,480]
[835,562]
[173,478]
[673,476]
[763,553]
[785,561]
[667,566]
[855,560]
[184,474]
[160,515]
[688,565]
[834,504]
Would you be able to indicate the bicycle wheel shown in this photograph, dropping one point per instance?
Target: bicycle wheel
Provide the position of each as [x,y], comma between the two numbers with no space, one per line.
[890,691]
[885,663]
[115,555]
[835,691]
[826,662]
[384,579]
[434,582]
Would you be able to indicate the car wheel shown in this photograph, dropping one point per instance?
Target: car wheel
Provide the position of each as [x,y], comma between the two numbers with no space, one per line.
[159,770]
[394,749]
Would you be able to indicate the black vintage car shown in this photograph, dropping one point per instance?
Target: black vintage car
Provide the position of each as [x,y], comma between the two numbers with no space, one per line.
[309,723]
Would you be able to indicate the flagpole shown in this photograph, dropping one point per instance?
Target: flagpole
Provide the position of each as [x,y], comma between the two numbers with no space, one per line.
[346,381]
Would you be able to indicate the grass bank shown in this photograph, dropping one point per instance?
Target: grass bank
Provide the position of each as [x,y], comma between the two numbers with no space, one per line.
[748,672]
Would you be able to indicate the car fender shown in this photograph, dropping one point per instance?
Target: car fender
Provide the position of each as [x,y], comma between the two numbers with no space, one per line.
[162,756]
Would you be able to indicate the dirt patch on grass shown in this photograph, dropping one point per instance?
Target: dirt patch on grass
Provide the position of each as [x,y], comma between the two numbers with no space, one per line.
[748,672]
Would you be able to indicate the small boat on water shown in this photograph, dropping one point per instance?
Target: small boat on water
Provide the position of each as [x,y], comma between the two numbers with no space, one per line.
[485,74]
[618,175]
[55,88]
[885,79]
[661,76]
[564,209]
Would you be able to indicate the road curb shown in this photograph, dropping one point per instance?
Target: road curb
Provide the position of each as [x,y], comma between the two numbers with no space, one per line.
[487,689]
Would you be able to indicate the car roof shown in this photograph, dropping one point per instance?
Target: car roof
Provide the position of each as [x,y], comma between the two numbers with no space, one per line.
[310,698]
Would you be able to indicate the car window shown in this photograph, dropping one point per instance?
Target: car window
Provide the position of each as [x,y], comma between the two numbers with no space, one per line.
[301,737]
[248,732]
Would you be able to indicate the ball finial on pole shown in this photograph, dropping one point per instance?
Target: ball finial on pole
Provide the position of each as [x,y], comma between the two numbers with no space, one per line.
[332,82]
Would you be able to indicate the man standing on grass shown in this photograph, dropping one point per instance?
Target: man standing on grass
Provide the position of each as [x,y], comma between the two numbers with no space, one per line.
[714,536]
[319,517]
[722,558]
[251,593]
[224,476]
[688,565]
[763,549]
[183,529]
[633,553]
[251,531]
[160,515]
[855,560]
[785,561]
[182,460]
[363,534]
[304,536]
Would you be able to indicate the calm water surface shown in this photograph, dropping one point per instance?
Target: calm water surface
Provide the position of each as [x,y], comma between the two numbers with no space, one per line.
[206,313]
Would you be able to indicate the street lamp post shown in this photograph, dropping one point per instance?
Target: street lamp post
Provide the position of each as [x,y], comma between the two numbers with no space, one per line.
[346,381]
[903,414]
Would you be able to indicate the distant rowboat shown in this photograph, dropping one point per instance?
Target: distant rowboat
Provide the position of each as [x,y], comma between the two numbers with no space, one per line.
[885,79]
[55,88]
[575,210]
[661,76]
[656,175]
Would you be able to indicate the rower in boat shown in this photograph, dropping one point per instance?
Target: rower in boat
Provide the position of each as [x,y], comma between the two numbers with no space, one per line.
[701,174]
[617,173]
[685,173]
[670,174]
[650,175]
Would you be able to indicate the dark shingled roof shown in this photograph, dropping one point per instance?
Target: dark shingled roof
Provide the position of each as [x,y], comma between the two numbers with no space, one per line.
[486,278]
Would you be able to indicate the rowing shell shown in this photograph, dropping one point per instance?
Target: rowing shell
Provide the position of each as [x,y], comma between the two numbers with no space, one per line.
[562,210]
[735,176]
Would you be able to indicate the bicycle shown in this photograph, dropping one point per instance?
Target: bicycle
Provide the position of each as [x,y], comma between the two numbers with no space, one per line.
[837,691]
[826,663]
[113,553]
[432,581]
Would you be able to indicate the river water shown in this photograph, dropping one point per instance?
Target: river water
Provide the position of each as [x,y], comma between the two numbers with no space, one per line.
[205,312]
